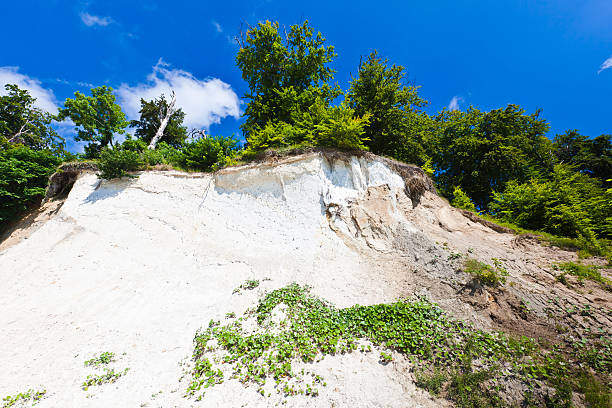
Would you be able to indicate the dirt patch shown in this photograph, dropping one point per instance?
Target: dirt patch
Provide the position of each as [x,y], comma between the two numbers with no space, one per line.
[61,182]
[30,223]
[473,217]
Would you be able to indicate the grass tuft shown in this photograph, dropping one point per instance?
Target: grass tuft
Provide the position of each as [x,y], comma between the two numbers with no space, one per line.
[488,275]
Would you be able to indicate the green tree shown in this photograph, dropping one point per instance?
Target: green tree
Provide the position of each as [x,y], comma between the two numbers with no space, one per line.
[286,73]
[151,115]
[24,174]
[567,203]
[481,151]
[397,127]
[591,156]
[21,122]
[97,118]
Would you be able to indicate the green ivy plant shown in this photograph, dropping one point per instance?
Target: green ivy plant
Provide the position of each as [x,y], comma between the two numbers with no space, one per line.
[312,329]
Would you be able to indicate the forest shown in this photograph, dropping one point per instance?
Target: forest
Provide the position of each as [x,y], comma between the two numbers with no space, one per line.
[502,164]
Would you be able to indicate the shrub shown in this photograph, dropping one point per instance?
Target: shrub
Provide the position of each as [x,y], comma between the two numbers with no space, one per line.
[590,272]
[568,204]
[462,200]
[486,274]
[207,154]
[321,125]
[134,145]
[24,174]
[117,162]
[336,126]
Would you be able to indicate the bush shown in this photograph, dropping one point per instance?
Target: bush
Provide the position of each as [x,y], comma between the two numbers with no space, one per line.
[24,174]
[117,162]
[569,204]
[321,125]
[462,200]
[207,154]
[590,272]
[486,274]
[336,126]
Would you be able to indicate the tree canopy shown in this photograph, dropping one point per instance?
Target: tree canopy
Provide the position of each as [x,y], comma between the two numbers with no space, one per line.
[397,125]
[481,151]
[97,118]
[151,114]
[22,122]
[286,73]
[590,156]
[566,203]
[499,162]
[24,173]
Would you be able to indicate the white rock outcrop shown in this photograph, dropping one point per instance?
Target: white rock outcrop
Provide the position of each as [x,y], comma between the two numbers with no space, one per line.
[136,266]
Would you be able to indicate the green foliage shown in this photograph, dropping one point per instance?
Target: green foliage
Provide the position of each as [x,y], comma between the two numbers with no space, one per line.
[289,94]
[109,376]
[486,274]
[285,73]
[151,114]
[441,349]
[398,128]
[468,390]
[117,162]
[596,394]
[23,397]
[206,154]
[482,151]
[248,285]
[21,122]
[97,118]
[203,154]
[386,357]
[321,126]
[103,359]
[589,272]
[462,200]
[431,380]
[335,127]
[590,156]
[24,174]
[162,154]
[568,203]
[204,376]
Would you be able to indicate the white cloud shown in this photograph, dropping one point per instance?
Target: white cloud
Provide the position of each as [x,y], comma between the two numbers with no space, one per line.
[454,103]
[606,64]
[204,101]
[45,99]
[217,27]
[90,20]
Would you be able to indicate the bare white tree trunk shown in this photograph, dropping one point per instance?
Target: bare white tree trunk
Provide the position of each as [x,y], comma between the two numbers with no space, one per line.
[193,133]
[17,137]
[164,122]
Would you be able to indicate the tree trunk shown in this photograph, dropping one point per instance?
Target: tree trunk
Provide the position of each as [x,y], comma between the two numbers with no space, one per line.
[16,138]
[164,123]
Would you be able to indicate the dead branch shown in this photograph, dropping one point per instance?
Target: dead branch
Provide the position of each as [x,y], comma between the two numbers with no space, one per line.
[164,121]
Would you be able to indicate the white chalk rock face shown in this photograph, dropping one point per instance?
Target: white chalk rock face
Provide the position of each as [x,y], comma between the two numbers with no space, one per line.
[136,266]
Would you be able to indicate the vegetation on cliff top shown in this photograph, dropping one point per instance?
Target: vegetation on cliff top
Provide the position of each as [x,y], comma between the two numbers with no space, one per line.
[497,163]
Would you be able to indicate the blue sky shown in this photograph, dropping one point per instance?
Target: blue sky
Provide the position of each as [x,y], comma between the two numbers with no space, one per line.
[538,54]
